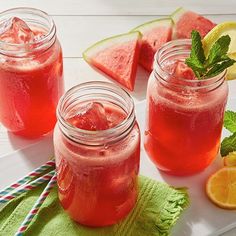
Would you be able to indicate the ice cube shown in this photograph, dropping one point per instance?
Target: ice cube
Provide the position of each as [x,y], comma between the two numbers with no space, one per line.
[90,116]
[115,116]
[183,71]
[15,30]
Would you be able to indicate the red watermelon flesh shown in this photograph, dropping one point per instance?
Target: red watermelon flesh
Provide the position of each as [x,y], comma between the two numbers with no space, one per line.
[117,57]
[155,34]
[186,21]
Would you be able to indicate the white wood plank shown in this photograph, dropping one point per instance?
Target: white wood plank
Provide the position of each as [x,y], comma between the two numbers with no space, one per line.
[76,33]
[119,7]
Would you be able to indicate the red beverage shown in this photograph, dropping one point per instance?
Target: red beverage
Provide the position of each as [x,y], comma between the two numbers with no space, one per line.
[97,156]
[31,72]
[184,115]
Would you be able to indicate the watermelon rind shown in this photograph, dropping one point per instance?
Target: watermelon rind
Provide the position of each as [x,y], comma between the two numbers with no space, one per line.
[108,42]
[175,16]
[152,24]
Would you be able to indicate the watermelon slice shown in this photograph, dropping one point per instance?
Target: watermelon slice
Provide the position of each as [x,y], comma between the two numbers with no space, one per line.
[185,21]
[155,34]
[117,57]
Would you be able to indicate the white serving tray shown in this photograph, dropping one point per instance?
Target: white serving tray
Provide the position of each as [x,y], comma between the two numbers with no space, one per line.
[202,218]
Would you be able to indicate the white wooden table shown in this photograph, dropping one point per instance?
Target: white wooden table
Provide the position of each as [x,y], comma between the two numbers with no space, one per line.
[80,23]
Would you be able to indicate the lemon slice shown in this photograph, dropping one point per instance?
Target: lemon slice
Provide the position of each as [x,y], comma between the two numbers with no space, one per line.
[230,159]
[221,188]
[231,71]
[226,28]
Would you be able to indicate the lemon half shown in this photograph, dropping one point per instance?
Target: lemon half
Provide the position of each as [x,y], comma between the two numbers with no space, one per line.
[225,28]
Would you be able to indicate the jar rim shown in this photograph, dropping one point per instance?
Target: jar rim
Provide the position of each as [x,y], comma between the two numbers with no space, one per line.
[77,133]
[180,44]
[29,10]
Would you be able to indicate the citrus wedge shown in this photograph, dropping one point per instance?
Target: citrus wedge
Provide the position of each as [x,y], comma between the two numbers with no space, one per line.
[231,72]
[221,188]
[230,159]
[225,28]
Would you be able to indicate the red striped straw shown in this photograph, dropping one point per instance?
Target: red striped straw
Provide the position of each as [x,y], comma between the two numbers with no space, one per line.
[31,176]
[27,187]
[36,206]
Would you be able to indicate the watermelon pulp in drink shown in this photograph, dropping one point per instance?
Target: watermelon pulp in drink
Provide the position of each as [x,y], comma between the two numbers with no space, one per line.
[97,184]
[31,80]
[184,119]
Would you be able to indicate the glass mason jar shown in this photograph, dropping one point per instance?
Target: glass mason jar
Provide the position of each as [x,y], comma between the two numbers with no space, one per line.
[97,169]
[31,71]
[184,116]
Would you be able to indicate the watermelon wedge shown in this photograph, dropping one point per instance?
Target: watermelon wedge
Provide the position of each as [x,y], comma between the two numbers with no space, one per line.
[117,57]
[155,34]
[185,21]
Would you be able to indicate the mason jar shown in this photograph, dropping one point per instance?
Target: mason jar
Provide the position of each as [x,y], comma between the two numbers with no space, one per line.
[97,152]
[31,72]
[184,115]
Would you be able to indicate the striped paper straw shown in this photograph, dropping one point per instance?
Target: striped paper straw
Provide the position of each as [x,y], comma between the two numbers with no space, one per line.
[36,206]
[27,187]
[35,173]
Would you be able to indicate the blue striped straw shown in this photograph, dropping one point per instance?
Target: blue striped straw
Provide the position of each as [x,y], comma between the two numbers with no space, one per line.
[36,206]
[27,187]
[32,175]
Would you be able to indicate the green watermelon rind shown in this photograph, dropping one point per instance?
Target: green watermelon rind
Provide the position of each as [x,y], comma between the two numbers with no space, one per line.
[108,42]
[152,24]
[175,16]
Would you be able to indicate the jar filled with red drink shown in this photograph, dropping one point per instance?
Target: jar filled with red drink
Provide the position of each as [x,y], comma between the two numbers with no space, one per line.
[184,115]
[31,72]
[97,151]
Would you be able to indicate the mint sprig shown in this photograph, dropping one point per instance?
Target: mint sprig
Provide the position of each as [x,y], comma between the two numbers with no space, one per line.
[230,121]
[229,143]
[217,60]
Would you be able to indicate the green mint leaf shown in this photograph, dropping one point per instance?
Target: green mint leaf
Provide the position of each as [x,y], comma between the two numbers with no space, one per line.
[197,53]
[230,121]
[219,50]
[197,56]
[217,60]
[195,67]
[228,145]
[218,68]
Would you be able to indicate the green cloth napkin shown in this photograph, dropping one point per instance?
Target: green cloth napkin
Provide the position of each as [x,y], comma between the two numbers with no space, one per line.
[156,211]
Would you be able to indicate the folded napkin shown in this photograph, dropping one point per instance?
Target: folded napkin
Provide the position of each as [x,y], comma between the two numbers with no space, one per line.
[156,211]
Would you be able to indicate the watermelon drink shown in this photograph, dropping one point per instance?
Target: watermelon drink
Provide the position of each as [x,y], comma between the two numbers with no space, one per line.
[31,72]
[97,150]
[184,115]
